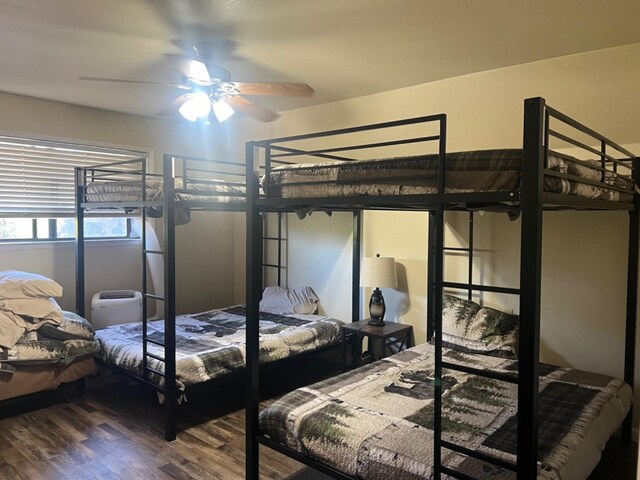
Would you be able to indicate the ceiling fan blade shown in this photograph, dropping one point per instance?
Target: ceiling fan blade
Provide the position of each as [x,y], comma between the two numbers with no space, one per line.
[244,106]
[171,110]
[138,82]
[275,89]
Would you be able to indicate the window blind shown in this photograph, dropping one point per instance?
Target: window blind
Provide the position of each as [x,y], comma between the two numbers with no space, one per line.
[37,177]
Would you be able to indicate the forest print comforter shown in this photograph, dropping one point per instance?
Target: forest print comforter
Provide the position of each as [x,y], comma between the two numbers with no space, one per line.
[212,344]
[376,422]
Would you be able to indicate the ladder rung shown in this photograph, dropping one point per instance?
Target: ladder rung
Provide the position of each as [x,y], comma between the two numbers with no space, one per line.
[480,456]
[155,342]
[153,355]
[156,252]
[271,265]
[153,370]
[456,474]
[456,249]
[503,377]
[151,295]
[274,238]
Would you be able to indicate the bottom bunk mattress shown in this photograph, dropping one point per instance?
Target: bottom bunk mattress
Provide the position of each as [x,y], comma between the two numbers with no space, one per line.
[212,344]
[27,379]
[376,422]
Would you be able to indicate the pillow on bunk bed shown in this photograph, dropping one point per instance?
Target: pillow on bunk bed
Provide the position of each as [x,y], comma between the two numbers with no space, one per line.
[469,327]
[72,327]
[15,284]
[285,301]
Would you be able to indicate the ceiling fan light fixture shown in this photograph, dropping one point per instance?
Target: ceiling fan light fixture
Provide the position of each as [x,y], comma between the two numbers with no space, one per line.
[197,106]
[222,110]
[198,73]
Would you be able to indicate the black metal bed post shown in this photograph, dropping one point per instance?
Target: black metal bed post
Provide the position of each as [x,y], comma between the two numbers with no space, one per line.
[355,267]
[253,292]
[533,164]
[79,241]
[143,239]
[438,274]
[431,279]
[437,235]
[280,249]
[470,262]
[632,300]
[170,392]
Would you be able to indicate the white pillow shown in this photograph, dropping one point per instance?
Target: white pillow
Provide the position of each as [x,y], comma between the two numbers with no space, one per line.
[284,301]
[15,284]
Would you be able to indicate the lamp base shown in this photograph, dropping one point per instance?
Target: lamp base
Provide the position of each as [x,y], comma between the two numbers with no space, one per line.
[377,308]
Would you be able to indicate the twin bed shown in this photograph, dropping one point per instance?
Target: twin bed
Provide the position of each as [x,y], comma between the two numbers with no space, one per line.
[41,345]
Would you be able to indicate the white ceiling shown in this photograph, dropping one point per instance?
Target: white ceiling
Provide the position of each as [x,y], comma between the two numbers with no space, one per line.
[342,48]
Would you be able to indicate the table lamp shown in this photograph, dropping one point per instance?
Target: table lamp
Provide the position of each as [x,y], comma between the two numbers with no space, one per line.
[378,272]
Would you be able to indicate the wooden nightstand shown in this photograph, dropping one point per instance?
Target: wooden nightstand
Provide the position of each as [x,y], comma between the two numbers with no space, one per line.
[386,336]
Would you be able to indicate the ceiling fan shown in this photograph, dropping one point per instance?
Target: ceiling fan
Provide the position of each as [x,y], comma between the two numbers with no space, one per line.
[209,90]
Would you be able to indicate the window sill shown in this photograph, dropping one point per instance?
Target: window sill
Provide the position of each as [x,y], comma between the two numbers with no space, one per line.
[68,244]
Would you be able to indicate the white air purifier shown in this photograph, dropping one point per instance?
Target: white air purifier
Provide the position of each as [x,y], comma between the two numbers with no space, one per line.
[114,307]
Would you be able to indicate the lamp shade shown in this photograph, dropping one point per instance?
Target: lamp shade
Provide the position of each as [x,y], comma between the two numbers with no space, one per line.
[378,272]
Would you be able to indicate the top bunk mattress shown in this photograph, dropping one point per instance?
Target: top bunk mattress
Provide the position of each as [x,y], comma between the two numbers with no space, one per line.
[376,422]
[474,171]
[211,191]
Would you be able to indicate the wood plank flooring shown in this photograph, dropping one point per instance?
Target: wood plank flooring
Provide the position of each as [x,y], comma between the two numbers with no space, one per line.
[114,431]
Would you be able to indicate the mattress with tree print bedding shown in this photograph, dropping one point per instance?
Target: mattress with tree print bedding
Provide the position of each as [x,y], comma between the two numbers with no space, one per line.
[376,422]
[212,344]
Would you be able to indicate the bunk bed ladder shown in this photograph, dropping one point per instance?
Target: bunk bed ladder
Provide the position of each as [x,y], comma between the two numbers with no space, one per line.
[146,355]
[437,284]
[279,238]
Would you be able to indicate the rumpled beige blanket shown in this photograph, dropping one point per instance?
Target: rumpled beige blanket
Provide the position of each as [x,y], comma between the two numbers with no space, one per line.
[25,314]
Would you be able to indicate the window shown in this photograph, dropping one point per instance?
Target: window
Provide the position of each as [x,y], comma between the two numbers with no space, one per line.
[37,190]
[25,229]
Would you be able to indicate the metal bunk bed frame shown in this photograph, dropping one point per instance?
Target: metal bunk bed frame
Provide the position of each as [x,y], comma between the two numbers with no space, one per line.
[532,199]
[137,169]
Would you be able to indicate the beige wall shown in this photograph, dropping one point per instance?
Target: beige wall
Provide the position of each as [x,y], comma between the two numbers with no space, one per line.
[205,272]
[584,263]
[57,261]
